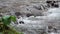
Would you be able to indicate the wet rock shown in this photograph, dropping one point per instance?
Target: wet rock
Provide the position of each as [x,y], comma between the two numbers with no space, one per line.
[28,15]
[55,30]
[37,7]
[0,15]
[34,23]
[17,13]
[50,27]
[21,22]
[48,1]
[56,5]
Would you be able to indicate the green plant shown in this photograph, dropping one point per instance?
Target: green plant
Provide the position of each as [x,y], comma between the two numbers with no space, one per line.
[6,20]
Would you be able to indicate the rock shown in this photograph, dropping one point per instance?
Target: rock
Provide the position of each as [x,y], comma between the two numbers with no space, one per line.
[17,13]
[31,25]
[56,5]
[37,7]
[21,22]
[28,15]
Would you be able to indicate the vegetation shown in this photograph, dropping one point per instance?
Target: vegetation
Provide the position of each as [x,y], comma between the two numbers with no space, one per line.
[4,28]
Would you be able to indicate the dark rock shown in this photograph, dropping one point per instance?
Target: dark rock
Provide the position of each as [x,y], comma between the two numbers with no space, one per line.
[17,13]
[54,5]
[49,31]
[28,15]
[54,1]
[48,1]
[21,22]
[43,6]
[41,14]
[0,15]
[50,27]
[55,30]
[48,5]
[27,5]
[27,9]
[37,7]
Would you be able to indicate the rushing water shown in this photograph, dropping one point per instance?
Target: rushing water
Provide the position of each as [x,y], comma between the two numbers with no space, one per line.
[39,24]
[32,24]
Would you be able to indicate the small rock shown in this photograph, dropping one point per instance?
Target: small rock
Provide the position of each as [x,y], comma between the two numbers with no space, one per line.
[37,7]
[28,15]
[17,13]
[21,22]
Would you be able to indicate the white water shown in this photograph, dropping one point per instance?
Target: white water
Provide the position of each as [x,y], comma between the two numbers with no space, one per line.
[33,25]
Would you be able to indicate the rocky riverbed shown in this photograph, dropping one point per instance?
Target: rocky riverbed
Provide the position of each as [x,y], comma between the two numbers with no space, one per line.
[48,24]
[33,16]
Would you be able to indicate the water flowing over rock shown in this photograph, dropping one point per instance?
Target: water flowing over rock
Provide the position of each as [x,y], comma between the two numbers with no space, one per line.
[40,24]
[33,16]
